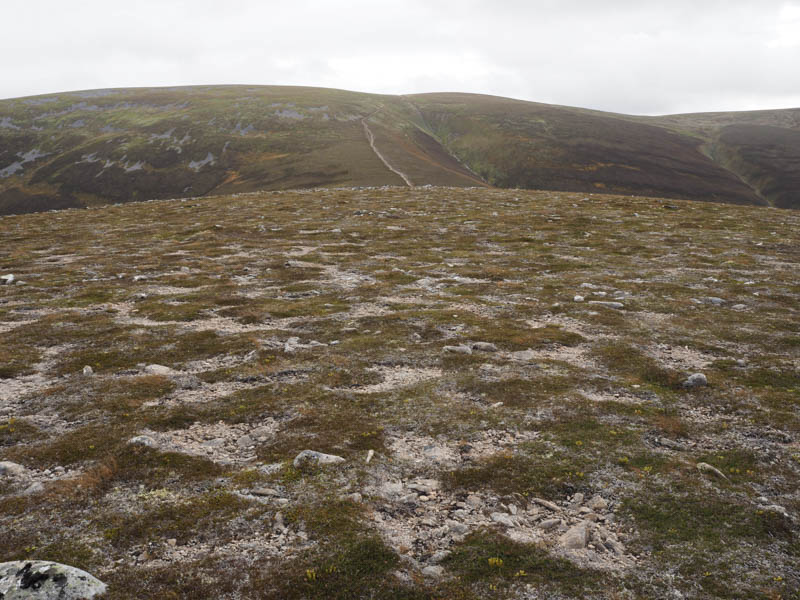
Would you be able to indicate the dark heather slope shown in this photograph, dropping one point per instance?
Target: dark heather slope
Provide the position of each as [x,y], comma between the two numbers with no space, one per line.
[97,147]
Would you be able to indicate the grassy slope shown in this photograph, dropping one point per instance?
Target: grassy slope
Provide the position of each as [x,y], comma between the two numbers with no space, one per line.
[88,148]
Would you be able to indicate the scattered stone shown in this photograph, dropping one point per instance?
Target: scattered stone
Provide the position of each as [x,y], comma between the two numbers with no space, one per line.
[576,537]
[354,497]
[484,347]
[607,304]
[172,542]
[739,306]
[34,488]
[667,443]
[311,456]
[87,370]
[549,524]
[502,519]
[159,370]
[578,298]
[546,504]
[245,441]
[370,454]
[8,279]
[261,433]
[711,470]
[695,380]
[439,556]
[598,503]
[714,300]
[433,571]
[577,499]
[11,469]
[21,580]
[187,382]
[474,501]
[462,349]
[390,489]
[266,492]
[144,440]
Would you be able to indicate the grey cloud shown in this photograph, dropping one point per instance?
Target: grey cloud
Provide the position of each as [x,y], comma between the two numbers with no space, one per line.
[621,55]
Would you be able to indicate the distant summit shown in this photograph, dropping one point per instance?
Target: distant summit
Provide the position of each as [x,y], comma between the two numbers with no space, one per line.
[96,147]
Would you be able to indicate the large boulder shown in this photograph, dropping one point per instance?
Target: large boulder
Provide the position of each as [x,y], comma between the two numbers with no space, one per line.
[44,580]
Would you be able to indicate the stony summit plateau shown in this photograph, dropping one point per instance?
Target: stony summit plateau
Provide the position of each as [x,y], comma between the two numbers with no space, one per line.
[290,343]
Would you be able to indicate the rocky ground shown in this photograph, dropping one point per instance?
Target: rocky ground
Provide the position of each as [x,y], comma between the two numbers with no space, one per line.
[504,394]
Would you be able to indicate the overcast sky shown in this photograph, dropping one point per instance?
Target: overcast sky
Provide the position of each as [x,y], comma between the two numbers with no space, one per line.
[633,56]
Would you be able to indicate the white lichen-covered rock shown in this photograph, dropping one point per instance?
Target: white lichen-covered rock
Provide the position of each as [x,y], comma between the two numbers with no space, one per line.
[696,380]
[159,370]
[44,580]
[313,457]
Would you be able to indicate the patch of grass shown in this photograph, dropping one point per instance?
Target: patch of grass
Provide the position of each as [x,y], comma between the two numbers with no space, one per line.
[550,475]
[685,514]
[633,365]
[521,393]
[209,511]
[489,558]
[14,431]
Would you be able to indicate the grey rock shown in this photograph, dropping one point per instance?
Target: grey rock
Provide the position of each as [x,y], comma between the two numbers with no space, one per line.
[577,499]
[607,304]
[462,349]
[245,441]
[265,492]
[695,380]
[474,501]
[45,580]
[354,497]
[87,370]
[11,469]
[144,440]
[33,488]
[214,443]
[433,571]
[502,519]
[667,443]
[261,433]
[739,306]
[439,556]
[187,382]
[159,370]
[435,453]
[549,524]
[456,528]
[484,347]
[390,489]
[523,355]
[576,537]
[598,503]
[714,300]
[313,457]
[711,470]
[578,298]
[7,279]
[546,504]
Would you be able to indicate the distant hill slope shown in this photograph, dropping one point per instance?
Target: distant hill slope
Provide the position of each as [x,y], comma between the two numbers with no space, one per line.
[105,146]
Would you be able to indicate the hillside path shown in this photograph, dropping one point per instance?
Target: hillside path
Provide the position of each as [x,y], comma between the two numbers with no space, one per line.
[371,140]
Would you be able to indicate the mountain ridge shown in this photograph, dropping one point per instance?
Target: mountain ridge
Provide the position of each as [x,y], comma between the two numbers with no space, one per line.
[96,147]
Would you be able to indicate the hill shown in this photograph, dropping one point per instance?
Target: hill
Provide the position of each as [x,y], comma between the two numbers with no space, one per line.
[106,146]
[561,396]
